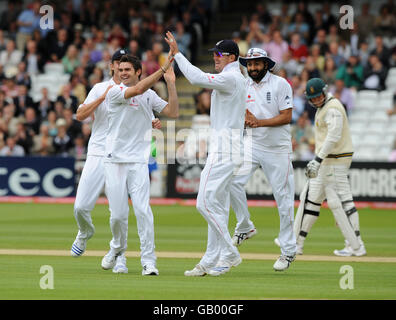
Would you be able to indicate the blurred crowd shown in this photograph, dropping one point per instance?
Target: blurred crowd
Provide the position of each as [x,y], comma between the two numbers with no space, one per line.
[307,44]
[86,33]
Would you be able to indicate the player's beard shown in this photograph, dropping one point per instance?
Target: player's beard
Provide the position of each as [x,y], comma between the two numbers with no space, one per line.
[257,76]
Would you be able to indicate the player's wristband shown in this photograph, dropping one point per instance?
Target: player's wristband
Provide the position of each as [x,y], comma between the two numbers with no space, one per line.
[164,71]
[318,159]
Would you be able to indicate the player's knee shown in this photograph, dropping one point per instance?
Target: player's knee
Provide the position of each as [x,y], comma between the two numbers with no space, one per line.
[334,204]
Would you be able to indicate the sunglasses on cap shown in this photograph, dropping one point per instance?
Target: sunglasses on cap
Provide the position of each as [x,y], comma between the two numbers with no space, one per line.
[221,54]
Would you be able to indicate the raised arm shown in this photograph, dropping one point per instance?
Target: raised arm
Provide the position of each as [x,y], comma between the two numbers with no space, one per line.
[148,82]
[172,108]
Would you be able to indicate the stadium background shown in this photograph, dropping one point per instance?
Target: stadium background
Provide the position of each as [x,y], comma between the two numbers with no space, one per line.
[46,73]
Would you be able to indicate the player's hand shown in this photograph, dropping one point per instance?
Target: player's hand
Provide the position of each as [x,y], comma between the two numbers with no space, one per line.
[312,169]
[156,123]
[169,75]
[107,90]
[171,41]
[250,120]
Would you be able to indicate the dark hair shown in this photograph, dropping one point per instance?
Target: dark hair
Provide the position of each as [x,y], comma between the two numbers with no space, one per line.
[136,64]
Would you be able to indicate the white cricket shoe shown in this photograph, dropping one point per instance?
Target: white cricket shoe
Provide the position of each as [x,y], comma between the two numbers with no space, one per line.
[109,260]
[283,262]
[238,238]
[120,266]
[198,271]
[349,252]
[149,270]
[224,266]
[78,247]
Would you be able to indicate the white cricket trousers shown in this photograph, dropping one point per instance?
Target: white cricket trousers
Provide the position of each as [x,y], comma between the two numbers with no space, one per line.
[90,186]
[278,169]
[212,200]
[123,179]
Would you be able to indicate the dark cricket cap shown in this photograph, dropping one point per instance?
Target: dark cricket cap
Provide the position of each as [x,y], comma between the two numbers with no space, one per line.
[118,54]
[226,46]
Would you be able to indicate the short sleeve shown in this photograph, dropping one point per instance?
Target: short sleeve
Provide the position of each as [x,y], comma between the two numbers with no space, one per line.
[115,95]
[285,96]
[92,96]
[157,104]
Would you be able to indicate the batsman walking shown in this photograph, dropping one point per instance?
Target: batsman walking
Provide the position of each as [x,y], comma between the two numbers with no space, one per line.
[227,121]
[328,172]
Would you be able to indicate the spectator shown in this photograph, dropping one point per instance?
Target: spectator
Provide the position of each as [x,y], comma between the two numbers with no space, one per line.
[42,143]
[134,49]
[10,58]
[242,43]
[300,27]
[137,34]
[311,67]
[23,100]
[307,151]
[9,87]
[334,54]
[79,151]
[320,40]
[333,35]
[277,47]
[381,51]
[189,29]
[298,98]
[9,16]
[51,122]
[328,18]
[317,57]
[302,132]
[343,94]
[256,37]
[32,58]
[374,74]
[291,66]
[12,149]
[298,50]
[351,73]
[183,39]
[22,77]
[23,138]
[385,22]
[329,72]
[27,22]
[44,105]
[9,122]
[2,41]
[73,127]
[32,122]
[62,143]
[363,53]
[202,101]
[71,61]
[78,38]
[57,48]
[68,100]
[366,21]
[344,49]
[78,88]
[3,100]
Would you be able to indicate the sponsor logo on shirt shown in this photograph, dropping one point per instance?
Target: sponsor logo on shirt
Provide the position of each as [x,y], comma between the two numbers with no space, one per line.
[250,99]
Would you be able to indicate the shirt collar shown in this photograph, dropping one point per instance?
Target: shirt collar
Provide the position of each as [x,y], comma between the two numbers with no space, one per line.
[231,66]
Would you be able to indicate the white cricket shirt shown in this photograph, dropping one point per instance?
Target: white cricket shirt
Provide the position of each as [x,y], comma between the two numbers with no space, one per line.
[130,127]
[227,108]
[265,99]
[96,144]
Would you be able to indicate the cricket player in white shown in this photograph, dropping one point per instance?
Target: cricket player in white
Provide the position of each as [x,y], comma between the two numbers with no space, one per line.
[92,179]
[269,112]
[227,121]
[128,143]
[328,172]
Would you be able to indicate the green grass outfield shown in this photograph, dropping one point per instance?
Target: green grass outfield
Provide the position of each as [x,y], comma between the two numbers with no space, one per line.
[181,231]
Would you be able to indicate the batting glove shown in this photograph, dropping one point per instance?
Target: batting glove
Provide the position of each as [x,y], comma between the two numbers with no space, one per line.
[312,169]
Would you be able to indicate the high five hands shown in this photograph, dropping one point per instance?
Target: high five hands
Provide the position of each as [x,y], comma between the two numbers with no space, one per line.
[171,41]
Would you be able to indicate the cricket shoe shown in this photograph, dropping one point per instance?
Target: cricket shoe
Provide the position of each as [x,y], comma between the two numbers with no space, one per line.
[149,270]
[78,248]
[224,266]
[120,266]
[198,271]
[238,238]
[109,260]
[300,248]
[349,252]
[283,262]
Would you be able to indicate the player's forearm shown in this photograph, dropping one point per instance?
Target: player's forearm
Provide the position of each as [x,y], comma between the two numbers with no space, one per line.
[173,101]
[279,120]
[84,111]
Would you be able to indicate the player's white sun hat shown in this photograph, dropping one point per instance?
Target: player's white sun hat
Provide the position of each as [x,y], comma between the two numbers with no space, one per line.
[257,53]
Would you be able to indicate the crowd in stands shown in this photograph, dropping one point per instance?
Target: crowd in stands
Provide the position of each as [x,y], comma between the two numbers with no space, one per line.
[84,37]
[86,33]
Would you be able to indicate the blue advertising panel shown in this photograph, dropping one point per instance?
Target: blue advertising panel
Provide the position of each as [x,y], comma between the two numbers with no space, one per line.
[37,176]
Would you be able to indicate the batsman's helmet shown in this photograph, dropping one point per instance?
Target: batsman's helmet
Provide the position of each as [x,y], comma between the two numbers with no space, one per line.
[315,87]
